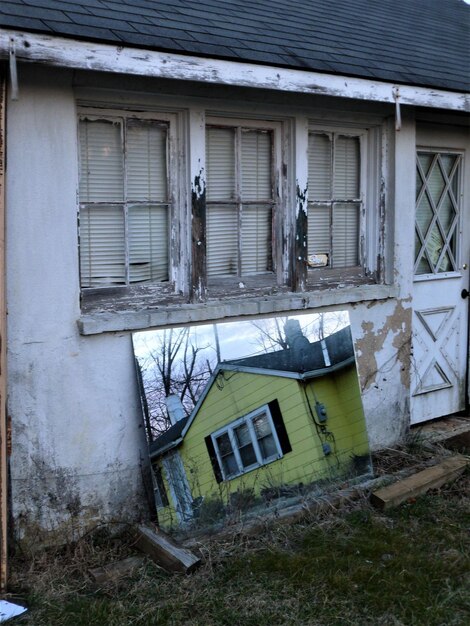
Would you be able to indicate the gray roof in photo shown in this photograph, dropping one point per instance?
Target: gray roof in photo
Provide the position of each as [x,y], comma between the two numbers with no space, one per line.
[416,42]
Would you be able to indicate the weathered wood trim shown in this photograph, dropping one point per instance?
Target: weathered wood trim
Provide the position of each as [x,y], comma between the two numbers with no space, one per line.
[300,251]
[197,142]
[3,384]
[62,52]
[158,317]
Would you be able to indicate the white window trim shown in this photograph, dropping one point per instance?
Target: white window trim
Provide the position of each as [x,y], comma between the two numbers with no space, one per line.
[370,174]
[431,276]
[279,206]
[230,428]
[175,177]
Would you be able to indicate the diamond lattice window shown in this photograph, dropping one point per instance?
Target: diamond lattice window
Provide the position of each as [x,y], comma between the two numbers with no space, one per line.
[437,212]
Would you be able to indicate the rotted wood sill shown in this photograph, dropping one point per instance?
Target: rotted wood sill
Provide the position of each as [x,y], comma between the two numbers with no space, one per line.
[145,308]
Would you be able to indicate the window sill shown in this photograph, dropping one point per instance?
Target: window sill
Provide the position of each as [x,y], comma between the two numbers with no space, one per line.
[138,310]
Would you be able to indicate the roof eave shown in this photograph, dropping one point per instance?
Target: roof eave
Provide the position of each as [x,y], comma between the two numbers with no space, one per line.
[72,53]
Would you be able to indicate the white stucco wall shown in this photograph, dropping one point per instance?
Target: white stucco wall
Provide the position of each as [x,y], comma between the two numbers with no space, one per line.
[77,433]
[78,438]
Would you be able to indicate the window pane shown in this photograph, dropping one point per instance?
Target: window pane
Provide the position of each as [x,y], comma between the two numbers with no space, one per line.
[347,168]
[222,240]
[256,165]
[146,161]
[436,184]
[148,243]
[102,257]
[318,229]
[261,425]
[245,446]
[345,234]
[268,447]
[320,174]
[101,162]
[229,463]
[220,163]
[256,239]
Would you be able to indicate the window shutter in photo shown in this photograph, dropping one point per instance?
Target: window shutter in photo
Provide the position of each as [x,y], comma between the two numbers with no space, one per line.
[347,168]
[220,164]
[280,426]
[101,161]
[320,174]
[222,240]
[102,246]
[213,458]
[148,243]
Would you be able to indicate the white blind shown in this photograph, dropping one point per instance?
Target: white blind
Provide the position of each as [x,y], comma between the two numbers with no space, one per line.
[256,165]
[102,246]
[347,168]
[220,163]
[345,234]
[222,240]
[148,243]
[320,172]
[256,238]
[318,229]
[146,162]
[113,250]
[101,161]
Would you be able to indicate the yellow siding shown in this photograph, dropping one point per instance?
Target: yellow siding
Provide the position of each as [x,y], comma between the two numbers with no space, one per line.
[238,393]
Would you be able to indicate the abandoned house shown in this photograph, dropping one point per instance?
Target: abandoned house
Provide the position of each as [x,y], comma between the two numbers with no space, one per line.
[172,163]
[264,425]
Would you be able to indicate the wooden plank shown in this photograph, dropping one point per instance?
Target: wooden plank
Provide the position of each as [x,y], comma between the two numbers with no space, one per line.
[116,570]
[3,383]
[417,484]
[165,551]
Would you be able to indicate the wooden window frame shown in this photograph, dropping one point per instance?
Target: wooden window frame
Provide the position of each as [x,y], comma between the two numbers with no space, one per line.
[176,201]
[366,271]
[217,285]
[230,430]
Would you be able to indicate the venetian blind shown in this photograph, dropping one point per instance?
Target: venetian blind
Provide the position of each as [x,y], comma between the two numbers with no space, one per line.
[123,217]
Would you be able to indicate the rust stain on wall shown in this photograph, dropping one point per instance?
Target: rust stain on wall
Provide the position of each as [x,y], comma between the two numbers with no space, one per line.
[372,343]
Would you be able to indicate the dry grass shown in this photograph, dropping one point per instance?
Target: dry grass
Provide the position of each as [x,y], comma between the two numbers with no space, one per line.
[409,567]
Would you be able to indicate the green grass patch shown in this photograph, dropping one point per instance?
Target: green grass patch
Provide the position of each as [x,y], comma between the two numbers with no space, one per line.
[408,567]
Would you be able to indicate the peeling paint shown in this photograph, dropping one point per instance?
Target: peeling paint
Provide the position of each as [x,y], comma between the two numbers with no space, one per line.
[198,238]
[372,344]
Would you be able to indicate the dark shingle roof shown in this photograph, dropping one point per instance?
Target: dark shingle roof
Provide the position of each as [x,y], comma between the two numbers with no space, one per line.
[168,437]
[419,42]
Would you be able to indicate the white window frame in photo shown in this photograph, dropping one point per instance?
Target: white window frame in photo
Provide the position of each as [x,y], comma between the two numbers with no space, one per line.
[230,428]
[370,213]
[279,219]
[174,194]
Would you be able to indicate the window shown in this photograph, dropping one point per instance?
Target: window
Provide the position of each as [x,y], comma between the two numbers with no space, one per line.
[240,200]
[247,443]
[125,201]
[437,211]
[161,497]
[335,199]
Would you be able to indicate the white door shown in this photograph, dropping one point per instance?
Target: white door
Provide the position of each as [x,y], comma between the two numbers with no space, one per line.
[441,275]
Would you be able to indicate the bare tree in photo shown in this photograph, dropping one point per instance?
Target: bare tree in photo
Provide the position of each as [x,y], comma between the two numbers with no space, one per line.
[174,365]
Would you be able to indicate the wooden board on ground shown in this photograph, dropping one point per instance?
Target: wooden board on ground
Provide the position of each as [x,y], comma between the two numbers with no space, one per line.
[417,484]
[115,571]
[164,551]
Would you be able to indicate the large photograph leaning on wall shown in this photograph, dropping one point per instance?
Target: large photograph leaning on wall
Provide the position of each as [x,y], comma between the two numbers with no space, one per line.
[242,414]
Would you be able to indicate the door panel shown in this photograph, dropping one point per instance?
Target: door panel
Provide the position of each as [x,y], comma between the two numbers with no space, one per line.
[440,314]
